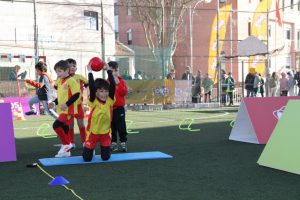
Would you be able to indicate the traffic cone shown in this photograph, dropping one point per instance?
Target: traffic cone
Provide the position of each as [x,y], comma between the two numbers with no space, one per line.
[20,115]
[87,112]
[59,180]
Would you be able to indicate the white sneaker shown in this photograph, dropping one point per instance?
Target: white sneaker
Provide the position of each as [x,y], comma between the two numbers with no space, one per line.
[114,146]
[64,151]
[123,147]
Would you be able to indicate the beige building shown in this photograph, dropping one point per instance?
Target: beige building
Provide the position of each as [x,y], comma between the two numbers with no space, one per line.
[65,29]
[283,38]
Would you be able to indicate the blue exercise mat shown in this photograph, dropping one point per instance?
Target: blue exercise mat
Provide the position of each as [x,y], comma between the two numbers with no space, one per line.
[77,160]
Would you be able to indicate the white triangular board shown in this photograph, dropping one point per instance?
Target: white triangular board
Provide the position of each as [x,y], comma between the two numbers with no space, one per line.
[243,130]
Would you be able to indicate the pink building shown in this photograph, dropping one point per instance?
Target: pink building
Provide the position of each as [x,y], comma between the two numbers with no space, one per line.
[195,37]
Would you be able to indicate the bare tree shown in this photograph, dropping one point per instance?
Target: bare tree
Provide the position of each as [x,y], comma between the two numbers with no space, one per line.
[160,20]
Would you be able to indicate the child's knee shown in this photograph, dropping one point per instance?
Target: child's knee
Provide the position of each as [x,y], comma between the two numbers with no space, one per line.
[105,156]
[87,154]
[105,153]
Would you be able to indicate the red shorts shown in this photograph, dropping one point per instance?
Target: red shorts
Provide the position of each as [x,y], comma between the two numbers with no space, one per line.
[66,119]
[103,139]
[80,114]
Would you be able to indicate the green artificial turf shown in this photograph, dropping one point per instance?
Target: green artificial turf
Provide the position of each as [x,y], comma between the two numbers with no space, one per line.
[206,165]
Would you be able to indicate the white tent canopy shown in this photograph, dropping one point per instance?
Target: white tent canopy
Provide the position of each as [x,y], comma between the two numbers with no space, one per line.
[251,46]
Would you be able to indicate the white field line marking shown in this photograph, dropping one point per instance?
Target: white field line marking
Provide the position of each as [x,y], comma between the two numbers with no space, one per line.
[173,120]
[145,122]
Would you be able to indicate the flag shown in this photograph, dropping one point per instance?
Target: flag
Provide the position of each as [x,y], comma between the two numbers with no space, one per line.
[278,14]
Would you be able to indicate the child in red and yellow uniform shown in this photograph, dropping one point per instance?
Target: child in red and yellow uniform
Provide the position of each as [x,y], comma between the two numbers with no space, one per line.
[67,94]
[101,102]
[82,82]
[118,125]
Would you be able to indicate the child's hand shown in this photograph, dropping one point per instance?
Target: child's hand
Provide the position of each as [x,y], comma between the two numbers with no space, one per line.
[51,105]
[88,67]
[106,66]
[116,80]
[63,107]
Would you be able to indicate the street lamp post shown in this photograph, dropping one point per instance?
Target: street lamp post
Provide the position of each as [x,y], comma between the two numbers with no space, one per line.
[102,37]
[35,33]
[218,57]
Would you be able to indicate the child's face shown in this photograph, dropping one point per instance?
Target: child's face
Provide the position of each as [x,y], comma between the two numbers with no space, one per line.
[61,73]
[115,72]
[102,94]
[72,68]
[39,72]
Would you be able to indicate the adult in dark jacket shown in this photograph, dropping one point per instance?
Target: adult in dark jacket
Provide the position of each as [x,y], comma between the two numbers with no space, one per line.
[249,82]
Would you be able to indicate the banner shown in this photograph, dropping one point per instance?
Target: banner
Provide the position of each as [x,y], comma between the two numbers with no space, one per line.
[150,91]
[14,103]
[212,58]
[259,29]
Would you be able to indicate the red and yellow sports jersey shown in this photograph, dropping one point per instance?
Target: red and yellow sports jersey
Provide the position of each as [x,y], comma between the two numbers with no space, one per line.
[81,81]
[65,89]
[100,117]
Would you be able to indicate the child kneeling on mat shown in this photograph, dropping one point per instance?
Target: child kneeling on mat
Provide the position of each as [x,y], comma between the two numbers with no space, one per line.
[101,101]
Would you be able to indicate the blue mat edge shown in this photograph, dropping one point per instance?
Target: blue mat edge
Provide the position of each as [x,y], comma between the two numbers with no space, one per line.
[164,156]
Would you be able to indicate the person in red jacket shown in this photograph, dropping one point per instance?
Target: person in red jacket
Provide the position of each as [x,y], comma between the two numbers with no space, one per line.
[118,124]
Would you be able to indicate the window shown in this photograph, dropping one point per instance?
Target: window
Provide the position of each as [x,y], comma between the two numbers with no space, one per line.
[129,37]
[283,5]
[292,4]
[288,62]
[116,9]
[91,20]
[288,34]
[117,36]
[128,10]
[298,5]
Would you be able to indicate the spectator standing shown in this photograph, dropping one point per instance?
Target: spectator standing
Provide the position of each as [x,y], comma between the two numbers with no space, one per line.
[273,84]
[223,88]
[230,83]
[261,85]
[249,82]
[208,86]
[171,74]
[187,75]
[197,88]
[297,78]
[283,85]
[256,84]
[291,84]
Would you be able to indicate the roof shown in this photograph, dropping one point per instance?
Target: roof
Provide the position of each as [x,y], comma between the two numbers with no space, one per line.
[123,50]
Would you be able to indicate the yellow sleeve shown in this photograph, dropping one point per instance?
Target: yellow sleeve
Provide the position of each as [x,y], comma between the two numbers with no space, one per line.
[110,101]
[74,87]
[57,82]
[90,104]
[83,79]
